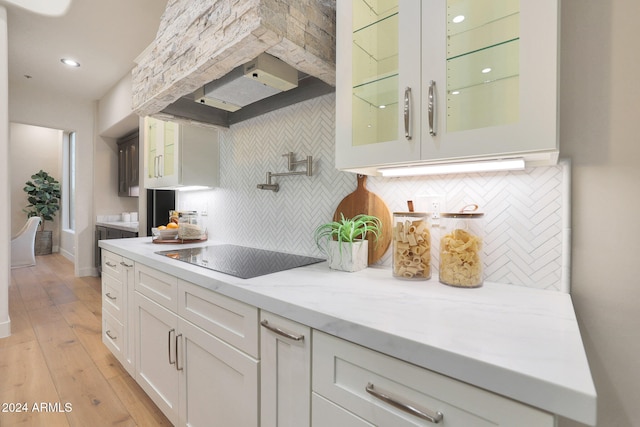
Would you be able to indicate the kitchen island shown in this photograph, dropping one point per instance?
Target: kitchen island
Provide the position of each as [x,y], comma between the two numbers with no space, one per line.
[520,343]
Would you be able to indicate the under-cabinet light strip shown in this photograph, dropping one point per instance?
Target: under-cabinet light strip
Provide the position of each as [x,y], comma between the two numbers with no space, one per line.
[449,168]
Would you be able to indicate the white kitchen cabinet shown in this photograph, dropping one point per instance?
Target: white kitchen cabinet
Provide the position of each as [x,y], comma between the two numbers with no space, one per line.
[388,392]
[195,377]
[117,319]
[414,87]
[285,377]
[156,355]
[179,155]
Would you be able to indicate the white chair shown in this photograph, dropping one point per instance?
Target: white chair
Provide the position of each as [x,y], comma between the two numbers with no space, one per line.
[23,244]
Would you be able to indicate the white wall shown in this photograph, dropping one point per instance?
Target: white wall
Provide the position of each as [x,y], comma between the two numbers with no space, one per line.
[600,115]
[60,112]
[5,197]
[33,148]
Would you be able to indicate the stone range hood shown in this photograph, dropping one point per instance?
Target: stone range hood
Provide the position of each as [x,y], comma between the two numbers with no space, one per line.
[201,41]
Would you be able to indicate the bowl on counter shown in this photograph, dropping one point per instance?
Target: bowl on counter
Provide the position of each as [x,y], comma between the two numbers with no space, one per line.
[168,234]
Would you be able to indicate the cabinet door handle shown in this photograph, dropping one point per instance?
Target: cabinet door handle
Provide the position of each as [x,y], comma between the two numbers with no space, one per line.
[110,265]
[407,113]
[434,417]
[111,297]
[155,167]
[161,167]
[171,331]
[124,264]
[281,332]
[111,336]
[178,340]
[432,108]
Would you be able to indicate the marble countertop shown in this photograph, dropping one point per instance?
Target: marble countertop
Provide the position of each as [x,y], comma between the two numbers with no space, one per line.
[518,342]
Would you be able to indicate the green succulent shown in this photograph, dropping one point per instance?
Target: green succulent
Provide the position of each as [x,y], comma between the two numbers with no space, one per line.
[347,230]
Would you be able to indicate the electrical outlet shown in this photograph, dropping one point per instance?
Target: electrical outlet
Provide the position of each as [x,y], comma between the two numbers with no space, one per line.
[434,204]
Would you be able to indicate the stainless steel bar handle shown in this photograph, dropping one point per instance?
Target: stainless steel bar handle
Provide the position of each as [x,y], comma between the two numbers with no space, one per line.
[111,336]
[161,167]
[124,264]
[156,166]
[171,331]
[281,332]
[432,108]
[111,297]
[434,417]
[178,367]
[110,265]
[407,113]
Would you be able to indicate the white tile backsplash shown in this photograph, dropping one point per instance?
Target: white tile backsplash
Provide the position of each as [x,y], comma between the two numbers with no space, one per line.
[526,212]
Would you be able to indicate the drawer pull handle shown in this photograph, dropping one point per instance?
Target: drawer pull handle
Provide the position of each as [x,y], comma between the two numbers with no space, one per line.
[431,109]
[171,331]
[111,297]
[281,332]
[407,113]
[124,264]
[178,367]
[111,336]
[434,417]
[110,265]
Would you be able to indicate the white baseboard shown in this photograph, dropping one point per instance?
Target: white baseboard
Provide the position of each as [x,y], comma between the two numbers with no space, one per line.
[5,329]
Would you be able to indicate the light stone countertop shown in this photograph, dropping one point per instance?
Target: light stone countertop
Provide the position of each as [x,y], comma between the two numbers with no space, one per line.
[518,342]
[119,225]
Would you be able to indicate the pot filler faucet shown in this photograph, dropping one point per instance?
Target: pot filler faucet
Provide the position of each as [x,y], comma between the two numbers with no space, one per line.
[291,165]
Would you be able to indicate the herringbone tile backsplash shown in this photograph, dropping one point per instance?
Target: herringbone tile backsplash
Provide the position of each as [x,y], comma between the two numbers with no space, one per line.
[525,211]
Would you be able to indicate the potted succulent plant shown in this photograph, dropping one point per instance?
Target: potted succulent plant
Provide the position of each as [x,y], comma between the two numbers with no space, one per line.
[344,242]
[43,194]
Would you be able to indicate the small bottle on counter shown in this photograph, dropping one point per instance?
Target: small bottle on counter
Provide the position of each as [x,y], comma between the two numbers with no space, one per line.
[461,249]
[411,245]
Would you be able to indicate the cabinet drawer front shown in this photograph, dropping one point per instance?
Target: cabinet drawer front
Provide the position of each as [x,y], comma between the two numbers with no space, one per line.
[157,286]
[233,321]
[328,414]
[112,297]
[342,371]
[113,335]
[111,264]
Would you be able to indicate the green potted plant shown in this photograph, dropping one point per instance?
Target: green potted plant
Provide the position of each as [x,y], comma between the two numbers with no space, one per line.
[344,242]
[43,194]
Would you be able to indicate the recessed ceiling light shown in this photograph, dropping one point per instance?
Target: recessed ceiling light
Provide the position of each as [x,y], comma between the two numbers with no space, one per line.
[455,92]
[458,19]
[486,70]
[70,62]
[382,106]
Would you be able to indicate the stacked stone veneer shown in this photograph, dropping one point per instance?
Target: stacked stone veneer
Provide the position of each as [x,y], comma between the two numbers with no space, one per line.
[200,41]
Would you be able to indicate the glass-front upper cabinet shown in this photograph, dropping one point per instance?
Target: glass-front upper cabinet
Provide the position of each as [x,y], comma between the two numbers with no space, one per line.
[378,81]
[161,142]
[432,81]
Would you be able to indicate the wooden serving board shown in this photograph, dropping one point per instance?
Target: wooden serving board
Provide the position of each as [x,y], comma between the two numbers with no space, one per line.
[363,201]
[179,241]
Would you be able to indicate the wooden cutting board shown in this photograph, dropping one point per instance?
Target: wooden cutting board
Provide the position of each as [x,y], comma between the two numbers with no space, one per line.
[363,201]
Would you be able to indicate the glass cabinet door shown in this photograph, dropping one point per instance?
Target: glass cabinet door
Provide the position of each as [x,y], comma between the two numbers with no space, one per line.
[378,70]
[169,158]
[151,138]
[495,78]
[483,63]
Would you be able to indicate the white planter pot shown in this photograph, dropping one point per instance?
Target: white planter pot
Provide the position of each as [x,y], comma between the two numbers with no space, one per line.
[353,256]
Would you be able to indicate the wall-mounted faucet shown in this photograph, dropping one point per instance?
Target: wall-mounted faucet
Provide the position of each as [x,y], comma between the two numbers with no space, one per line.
[291,166]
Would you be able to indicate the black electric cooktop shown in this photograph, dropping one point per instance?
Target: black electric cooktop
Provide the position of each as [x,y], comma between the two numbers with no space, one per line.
[240,261]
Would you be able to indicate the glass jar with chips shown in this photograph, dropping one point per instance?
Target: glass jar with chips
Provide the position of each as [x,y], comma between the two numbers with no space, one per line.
[411,245]
[461,249]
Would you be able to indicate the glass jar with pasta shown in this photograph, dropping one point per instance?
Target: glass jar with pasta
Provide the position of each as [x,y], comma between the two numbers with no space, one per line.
[411,246]
[461,253]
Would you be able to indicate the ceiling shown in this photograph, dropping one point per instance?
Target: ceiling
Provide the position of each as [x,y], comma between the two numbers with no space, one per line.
[103,36]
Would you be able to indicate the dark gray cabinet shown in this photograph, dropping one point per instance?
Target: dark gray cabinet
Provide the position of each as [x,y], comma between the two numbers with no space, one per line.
[128,166]
[104,233]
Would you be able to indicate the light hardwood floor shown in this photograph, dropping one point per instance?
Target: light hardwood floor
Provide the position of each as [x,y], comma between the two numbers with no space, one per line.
[55,356]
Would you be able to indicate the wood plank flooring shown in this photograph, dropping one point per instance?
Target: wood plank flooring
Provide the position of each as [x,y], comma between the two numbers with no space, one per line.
[54,369]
